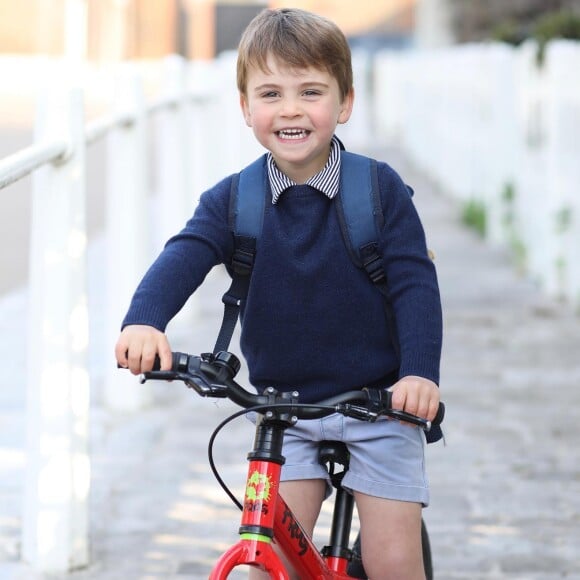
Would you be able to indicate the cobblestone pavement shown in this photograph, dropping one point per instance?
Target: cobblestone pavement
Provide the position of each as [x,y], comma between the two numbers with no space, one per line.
[505,487]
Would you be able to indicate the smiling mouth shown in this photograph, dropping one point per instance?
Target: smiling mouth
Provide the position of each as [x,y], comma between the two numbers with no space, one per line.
[292,134]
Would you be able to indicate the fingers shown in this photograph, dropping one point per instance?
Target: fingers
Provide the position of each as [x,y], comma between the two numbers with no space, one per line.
[147,359]
[165,355]
[121,349]
[417,396]
[138,346]
[433,407]
[399,398]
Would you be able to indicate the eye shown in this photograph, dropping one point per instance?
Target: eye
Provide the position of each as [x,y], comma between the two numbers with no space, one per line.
[311,93]
[269,94]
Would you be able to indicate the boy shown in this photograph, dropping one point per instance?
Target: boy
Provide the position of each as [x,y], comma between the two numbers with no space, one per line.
[312,321]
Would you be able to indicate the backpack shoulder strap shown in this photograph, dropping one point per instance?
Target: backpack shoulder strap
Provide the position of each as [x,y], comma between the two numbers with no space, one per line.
[361,220]
[360,214]
[246,214]
[247,198]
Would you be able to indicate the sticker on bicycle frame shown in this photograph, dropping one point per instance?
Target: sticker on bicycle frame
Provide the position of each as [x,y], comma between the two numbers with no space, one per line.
[260,494]
[258,487]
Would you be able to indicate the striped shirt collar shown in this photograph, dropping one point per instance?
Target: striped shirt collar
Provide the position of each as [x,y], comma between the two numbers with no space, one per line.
[327,180]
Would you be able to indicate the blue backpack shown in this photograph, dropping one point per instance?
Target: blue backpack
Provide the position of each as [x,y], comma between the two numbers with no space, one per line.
[361,220]
[359,214]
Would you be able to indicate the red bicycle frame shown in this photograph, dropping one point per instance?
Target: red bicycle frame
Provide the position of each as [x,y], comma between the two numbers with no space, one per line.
[266,518]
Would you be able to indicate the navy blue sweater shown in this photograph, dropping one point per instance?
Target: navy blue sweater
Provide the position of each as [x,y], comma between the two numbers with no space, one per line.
[313,321]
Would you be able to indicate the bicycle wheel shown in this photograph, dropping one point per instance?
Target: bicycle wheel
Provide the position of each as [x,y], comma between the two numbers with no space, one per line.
[426,547]
[356,568]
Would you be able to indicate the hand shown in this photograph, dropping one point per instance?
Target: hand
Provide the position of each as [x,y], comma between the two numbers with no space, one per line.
[416,395]
[137,347]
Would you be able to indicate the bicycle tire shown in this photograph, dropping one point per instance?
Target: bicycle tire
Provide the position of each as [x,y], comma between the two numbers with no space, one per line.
[356,568]
[426,547]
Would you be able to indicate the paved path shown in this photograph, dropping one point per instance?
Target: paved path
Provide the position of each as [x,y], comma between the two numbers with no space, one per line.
[505,488]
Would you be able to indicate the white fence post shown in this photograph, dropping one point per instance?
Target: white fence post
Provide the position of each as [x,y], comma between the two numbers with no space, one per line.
[388,96]
[172,151]
[532,201]
[76,29]
[55,536]
[500,156]
[127,226]
[357,132]
[563,172]
[175,199]
[204,115]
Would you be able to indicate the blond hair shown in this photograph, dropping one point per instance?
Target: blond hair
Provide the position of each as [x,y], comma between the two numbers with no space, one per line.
[298,39]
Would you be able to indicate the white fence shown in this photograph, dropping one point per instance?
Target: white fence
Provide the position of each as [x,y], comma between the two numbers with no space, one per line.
[495,129]
[198,136]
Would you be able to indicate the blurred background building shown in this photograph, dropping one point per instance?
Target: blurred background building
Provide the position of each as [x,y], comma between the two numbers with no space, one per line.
[201,29]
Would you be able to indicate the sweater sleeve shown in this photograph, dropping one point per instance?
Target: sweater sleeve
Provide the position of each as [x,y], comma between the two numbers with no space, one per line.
[411,279]
[186,259]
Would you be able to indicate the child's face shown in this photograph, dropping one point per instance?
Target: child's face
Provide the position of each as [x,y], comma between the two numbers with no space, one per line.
[294,114]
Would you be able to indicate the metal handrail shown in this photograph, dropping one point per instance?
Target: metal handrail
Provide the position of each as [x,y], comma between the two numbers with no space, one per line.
[25,161]
[98,128]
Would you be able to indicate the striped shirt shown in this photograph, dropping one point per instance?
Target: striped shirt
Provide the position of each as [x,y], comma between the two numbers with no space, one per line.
[326,181]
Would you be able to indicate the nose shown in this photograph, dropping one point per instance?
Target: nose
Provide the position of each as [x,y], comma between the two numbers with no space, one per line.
[290,107]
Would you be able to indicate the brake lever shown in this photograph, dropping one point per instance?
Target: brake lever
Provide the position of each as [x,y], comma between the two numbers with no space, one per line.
[357,412]
[408,418]
[161,376]
[365,414]
[381,401]
[207,389]
[194,381]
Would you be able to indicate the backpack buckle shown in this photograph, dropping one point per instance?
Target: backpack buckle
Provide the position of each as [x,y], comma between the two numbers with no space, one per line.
[231,300]
[243,261]
[373,264]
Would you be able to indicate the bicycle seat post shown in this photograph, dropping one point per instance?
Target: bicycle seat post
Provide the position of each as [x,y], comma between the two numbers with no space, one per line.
[337,553]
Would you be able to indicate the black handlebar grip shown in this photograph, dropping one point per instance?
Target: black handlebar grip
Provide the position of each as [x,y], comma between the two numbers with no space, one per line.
[179,362]
[439,416]
[156,364]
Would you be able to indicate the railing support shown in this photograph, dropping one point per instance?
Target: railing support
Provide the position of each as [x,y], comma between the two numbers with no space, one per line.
[55,536]
[173,152]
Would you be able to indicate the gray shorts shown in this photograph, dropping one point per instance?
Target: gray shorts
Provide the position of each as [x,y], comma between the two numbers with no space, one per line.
[387,459]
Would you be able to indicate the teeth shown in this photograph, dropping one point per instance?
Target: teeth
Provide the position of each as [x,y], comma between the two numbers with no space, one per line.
[292,133]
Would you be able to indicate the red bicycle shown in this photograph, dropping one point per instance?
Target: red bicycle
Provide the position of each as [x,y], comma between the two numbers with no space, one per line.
[266,518]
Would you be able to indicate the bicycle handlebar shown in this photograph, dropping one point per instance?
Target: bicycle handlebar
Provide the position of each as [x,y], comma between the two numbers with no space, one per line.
[212,375]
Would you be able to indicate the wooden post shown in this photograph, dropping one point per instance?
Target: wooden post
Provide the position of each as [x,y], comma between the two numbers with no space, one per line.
[55,534]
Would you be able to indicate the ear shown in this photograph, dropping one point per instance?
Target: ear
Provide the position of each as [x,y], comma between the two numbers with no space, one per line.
[346,107]
[245,110]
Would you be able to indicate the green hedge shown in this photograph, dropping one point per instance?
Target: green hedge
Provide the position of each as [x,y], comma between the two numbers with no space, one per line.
[556,25]
[563,24]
